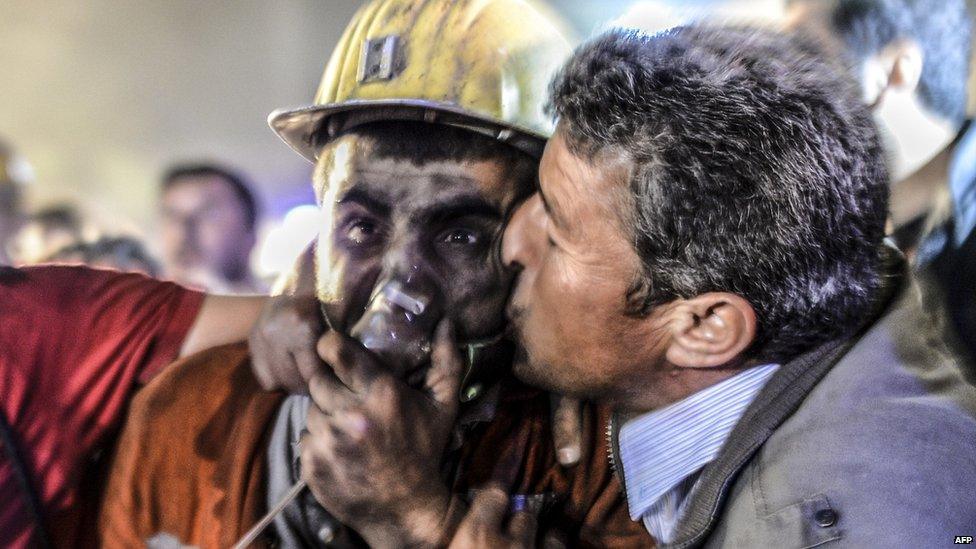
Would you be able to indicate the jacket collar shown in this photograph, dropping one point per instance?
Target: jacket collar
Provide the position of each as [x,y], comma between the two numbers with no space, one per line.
[778,400]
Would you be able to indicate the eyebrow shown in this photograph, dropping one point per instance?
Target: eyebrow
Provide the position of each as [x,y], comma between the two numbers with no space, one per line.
[461,206]
[369,200]
[450,179]
[442,179]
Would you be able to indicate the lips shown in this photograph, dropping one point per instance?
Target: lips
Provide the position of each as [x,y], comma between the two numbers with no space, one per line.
[513,314]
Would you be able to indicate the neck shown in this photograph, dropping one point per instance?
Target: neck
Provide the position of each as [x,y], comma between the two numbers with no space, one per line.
[672,385]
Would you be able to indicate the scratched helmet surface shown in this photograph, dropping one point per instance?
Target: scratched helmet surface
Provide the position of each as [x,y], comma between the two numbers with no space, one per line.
[484,65]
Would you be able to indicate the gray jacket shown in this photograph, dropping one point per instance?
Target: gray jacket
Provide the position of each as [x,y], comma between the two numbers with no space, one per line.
[864,443]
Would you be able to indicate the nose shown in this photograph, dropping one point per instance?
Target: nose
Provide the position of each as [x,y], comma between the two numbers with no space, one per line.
[408,283]
[519,247]
[188,229]
[400,318]
[418,297]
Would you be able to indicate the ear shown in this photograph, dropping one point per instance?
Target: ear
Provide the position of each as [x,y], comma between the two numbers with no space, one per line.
[897,68]
[710,330]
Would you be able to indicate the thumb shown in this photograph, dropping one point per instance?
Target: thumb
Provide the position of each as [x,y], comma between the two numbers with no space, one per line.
[446,368]
[567,429]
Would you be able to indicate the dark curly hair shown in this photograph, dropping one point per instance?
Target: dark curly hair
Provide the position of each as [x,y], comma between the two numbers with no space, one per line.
[755,169]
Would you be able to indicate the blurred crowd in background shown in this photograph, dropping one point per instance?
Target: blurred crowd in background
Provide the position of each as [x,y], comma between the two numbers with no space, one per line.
[207,222]
[227,212]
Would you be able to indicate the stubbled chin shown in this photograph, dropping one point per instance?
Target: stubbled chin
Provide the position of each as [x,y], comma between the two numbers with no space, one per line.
[528,372]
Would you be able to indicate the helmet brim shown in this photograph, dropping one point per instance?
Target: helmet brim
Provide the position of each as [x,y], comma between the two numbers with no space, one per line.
[301,128]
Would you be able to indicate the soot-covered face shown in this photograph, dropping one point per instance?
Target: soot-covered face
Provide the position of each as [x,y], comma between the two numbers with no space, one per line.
[403,246]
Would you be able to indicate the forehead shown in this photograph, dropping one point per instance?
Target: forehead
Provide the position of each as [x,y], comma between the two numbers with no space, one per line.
[198,188]
[352,163]
[573,183]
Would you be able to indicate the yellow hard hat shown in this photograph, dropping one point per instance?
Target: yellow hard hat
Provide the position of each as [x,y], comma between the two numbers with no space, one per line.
[484,65]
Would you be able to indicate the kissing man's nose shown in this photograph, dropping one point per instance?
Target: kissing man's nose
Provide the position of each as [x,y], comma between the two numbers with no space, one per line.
[516,249]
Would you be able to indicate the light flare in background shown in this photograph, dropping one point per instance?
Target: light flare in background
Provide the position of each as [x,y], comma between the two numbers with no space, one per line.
[654,16]
[281,245]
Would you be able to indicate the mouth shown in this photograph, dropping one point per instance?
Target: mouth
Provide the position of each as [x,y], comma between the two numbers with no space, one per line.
[513,316]
[510,332]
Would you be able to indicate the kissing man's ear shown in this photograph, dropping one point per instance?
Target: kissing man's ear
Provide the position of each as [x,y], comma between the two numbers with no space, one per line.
[710,330]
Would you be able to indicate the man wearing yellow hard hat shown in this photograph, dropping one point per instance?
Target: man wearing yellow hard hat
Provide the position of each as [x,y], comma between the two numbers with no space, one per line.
[426,133]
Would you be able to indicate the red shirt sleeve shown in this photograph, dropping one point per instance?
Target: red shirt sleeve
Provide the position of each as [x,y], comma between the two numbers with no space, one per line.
[74,343]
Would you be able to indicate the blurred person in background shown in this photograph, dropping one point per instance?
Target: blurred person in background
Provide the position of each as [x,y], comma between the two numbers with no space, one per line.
[15,174]
[208,222]
[913,61]
[45,233]
[122,253]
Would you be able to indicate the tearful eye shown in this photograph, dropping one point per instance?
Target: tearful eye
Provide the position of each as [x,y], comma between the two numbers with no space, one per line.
[461,237]
[362,231]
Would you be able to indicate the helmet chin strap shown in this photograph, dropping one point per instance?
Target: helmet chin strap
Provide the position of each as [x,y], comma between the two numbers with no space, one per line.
[484,360]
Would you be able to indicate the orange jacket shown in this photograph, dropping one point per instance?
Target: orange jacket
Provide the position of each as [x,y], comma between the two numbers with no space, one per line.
[191,460]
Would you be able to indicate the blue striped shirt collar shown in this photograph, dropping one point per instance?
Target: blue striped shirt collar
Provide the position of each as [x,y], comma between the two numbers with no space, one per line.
[661,448]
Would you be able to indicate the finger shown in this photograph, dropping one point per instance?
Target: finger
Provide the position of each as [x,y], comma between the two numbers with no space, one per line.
[315,446]
[349,432]
[314,463]
[446,368]
[262,364]
[307,364]
[567,429]
[261,368]
[289,376]
[350,361]
[554,540]
[322,442]
[326,443]
[310,328]
[522,528]
[278,373]
[316,421]
[488,509]
[329,394]
[350,426]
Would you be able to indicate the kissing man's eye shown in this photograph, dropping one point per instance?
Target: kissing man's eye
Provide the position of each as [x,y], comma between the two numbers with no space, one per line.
[461,237]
